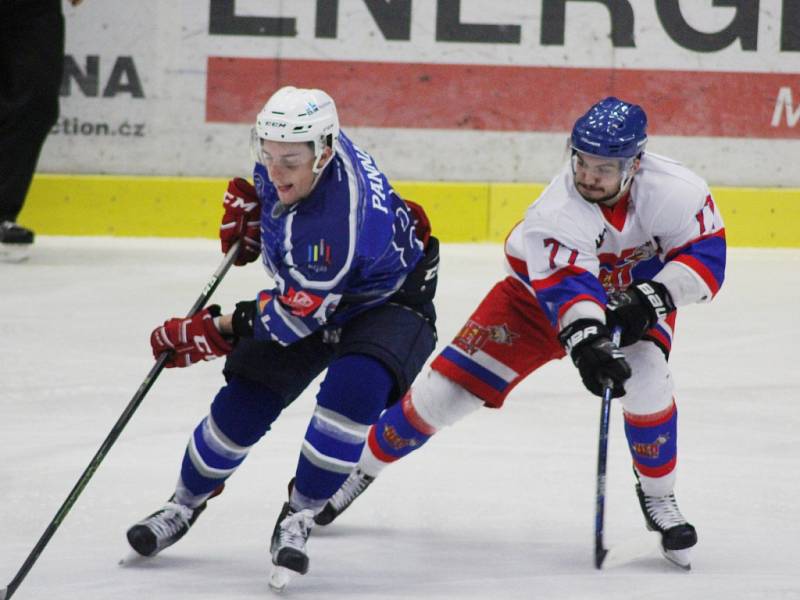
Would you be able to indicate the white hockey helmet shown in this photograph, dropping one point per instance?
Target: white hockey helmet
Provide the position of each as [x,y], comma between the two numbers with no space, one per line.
[298,115]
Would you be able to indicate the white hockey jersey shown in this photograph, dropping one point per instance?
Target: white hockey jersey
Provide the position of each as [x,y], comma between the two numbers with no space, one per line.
[572,253]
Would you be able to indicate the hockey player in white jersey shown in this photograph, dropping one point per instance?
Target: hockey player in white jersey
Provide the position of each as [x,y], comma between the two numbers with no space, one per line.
[620,237]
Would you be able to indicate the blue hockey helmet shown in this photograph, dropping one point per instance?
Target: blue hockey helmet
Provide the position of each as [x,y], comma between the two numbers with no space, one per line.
[611,128]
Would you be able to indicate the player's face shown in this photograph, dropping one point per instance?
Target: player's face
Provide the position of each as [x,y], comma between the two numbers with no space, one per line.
[289,165]
[597,178]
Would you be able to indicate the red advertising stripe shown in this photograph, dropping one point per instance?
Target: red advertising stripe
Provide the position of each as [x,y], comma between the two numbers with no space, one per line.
[509,98]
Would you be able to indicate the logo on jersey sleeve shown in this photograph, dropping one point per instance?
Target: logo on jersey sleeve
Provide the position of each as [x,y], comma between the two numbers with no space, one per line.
[264,298]
[318,257]
[474,336]
[300,302]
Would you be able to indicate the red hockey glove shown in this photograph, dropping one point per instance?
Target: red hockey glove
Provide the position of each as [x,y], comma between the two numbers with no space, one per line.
[190,339]
[422,224]
[241,221]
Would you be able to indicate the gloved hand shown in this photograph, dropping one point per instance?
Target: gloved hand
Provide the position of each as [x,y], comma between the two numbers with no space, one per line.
[598,359]
[241,221]
[636,309]
[190,339]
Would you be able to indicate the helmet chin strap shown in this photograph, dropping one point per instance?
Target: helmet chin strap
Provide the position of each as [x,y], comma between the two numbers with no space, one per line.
[318,170]
[624,186]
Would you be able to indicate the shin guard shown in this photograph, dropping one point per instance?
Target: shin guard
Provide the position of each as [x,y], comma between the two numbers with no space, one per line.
[652,440]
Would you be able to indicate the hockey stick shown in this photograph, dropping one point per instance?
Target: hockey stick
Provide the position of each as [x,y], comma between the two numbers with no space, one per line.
[602,456]
[115,432]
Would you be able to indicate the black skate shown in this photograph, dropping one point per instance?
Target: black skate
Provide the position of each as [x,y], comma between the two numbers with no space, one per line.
[11,233]
[661,514]
[165,526]
[352,488]
[288,545]
[15,242]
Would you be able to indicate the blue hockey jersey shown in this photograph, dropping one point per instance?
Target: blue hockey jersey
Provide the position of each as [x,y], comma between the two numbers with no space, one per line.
[345,248]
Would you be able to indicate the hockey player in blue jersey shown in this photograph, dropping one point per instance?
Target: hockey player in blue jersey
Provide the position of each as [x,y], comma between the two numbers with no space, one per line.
[354,270]
[620,237]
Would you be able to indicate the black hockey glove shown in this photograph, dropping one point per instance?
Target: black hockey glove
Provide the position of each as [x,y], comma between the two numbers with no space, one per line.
[598,359]
[636,309]
[243,318]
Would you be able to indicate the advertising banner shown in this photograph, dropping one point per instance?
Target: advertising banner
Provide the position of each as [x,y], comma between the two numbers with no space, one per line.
[437,90]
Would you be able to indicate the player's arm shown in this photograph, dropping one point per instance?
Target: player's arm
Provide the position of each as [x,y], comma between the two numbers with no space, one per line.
[563,272]
[692,238]
[564,275]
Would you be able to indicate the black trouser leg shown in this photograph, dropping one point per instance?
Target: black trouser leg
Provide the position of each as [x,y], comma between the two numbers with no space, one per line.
[31,67]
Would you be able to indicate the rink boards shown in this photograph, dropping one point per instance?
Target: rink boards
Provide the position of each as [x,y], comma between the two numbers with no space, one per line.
[460,212]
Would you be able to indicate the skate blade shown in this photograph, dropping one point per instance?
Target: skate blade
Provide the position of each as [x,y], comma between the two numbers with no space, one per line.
[679,558]
[280,578]
[132,559]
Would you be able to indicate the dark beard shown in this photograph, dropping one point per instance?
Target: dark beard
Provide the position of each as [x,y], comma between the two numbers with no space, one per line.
[601,200]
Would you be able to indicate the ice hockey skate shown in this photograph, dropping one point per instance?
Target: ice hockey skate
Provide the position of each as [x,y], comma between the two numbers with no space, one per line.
[163,528]
[661,514]
[15,242]
[288,545]
[352,488]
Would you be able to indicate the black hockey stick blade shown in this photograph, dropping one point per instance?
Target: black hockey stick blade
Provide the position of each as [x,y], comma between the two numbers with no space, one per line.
[599,555]
[115,432]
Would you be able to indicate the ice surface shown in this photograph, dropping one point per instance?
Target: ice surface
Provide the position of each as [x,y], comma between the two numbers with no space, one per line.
[499,506]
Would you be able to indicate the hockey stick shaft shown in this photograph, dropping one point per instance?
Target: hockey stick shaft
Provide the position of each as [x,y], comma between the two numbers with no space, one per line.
[602,458]
[115,432]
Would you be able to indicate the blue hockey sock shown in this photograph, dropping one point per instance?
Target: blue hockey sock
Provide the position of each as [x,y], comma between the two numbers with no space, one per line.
[241,414]
[652,440]
[355,391]
[399,431]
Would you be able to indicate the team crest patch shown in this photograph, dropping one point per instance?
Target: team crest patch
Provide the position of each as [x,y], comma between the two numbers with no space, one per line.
[474,336]
[616,271]
[395,440]
[652,449]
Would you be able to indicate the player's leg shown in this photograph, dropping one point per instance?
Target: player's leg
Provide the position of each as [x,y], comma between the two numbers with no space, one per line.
[651,427]
[379,353]
[240,415]
[263,378]
[505,339]
[355,391]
